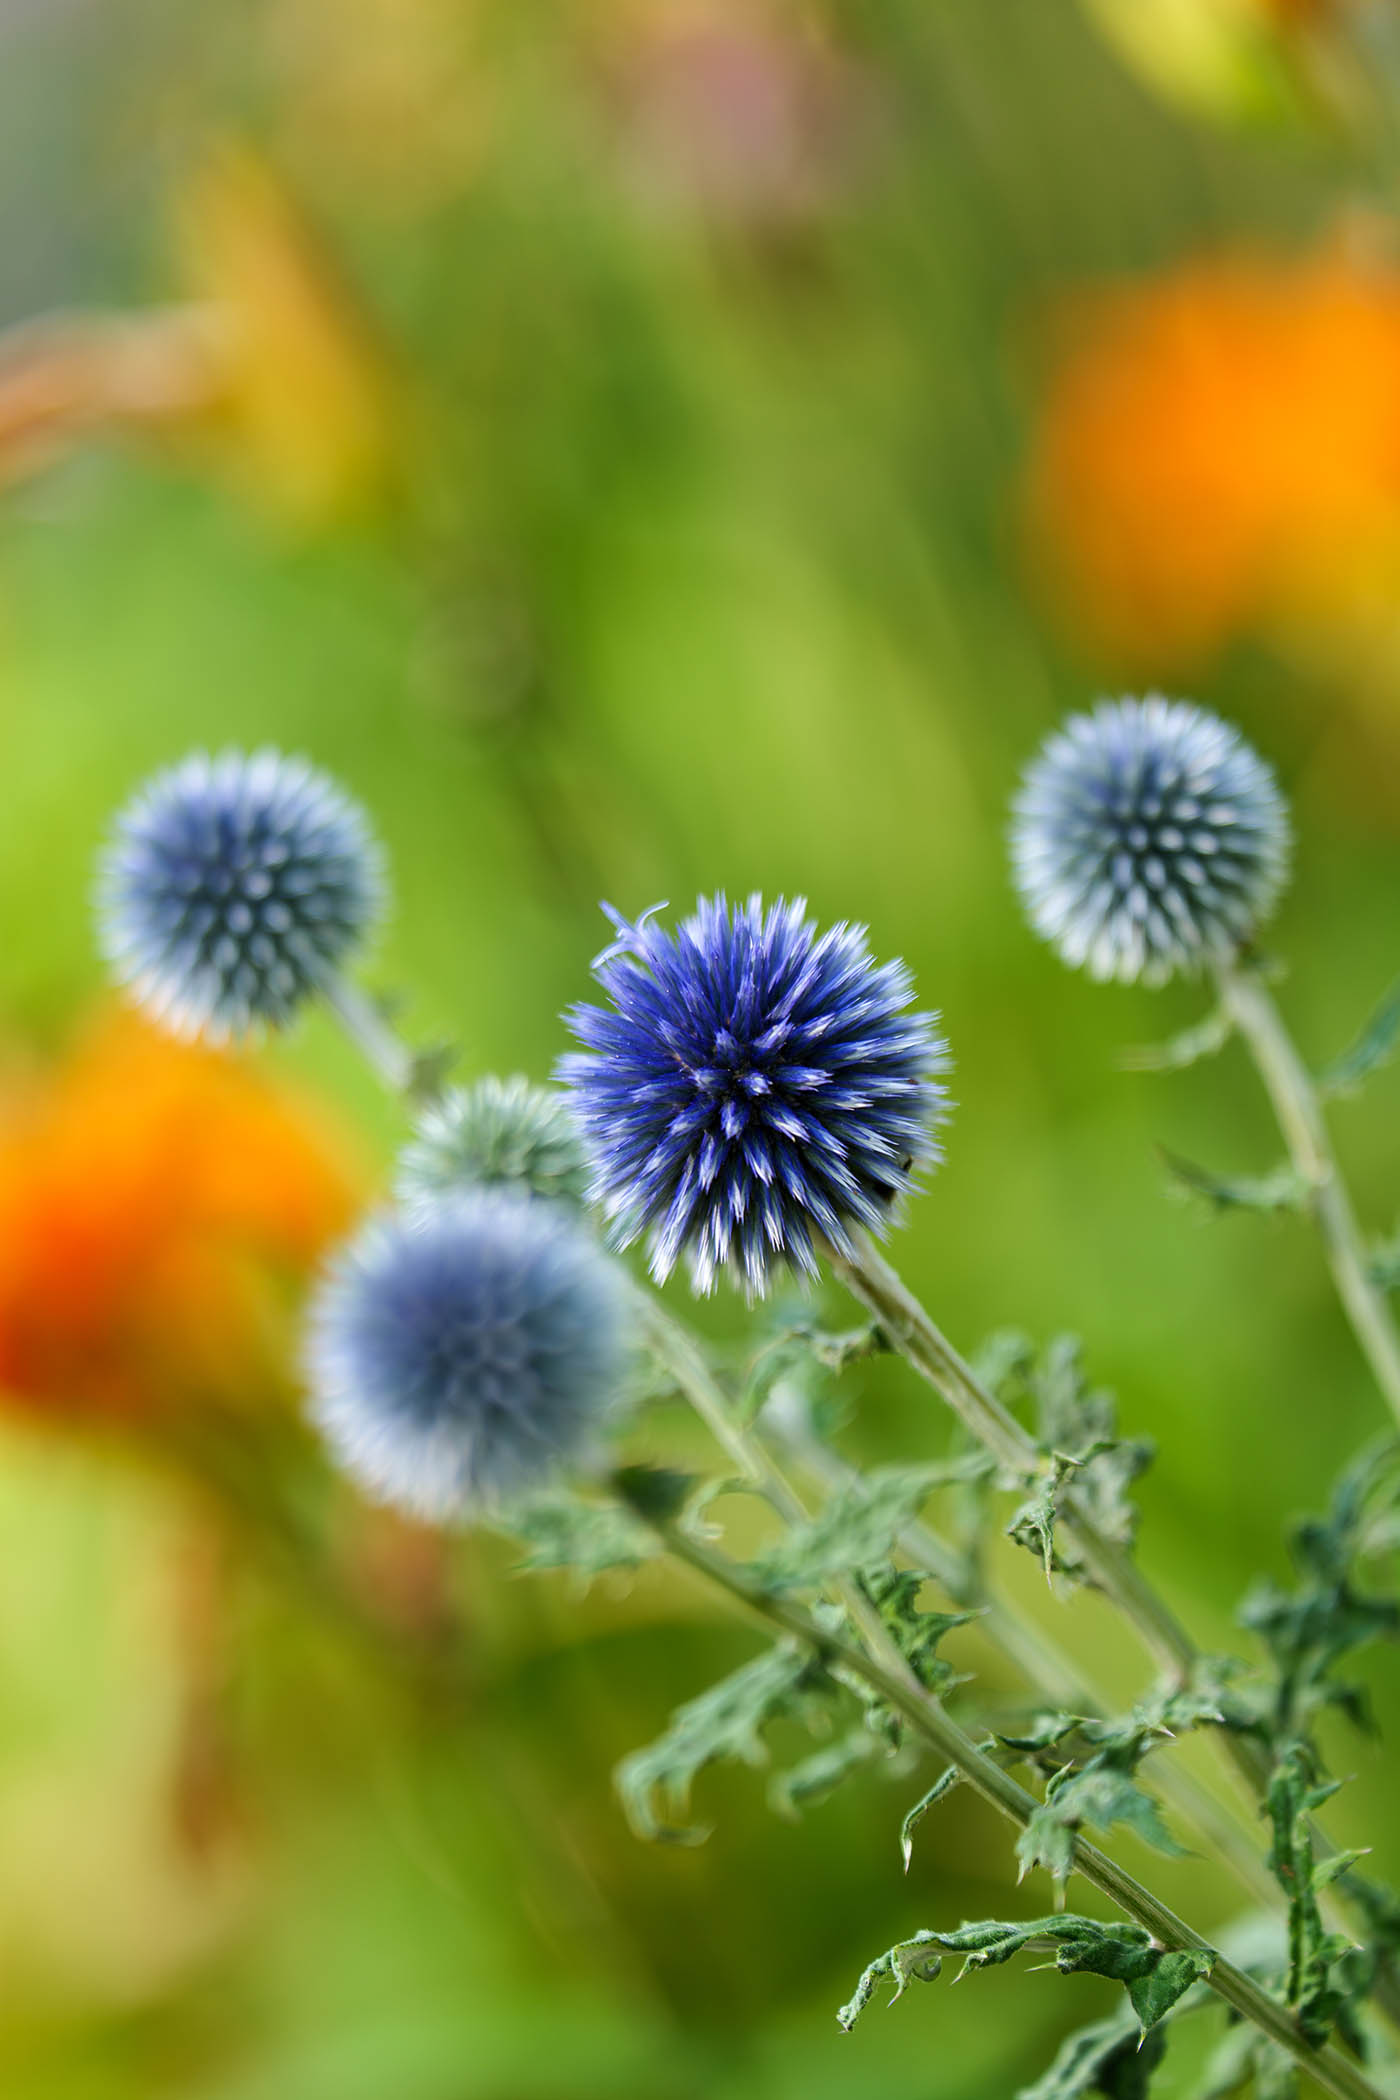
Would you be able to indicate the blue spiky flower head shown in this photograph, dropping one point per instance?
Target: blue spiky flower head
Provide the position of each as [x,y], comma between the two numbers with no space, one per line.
[497,1133]
[461,1356]
[1148,839]
[753,1089]
[232,887]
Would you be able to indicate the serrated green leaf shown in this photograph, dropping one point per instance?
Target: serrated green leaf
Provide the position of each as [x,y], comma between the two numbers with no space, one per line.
[1155,1979]
[1076,1428]
[657,1493]
[1372,1048]
[1102,1793]
[564,1531]
[1317,1995]
[941,1788]
[726,1722]
[1243,2055]
[1282,1188]
[1207,1039]
[1111,2058]
[819,1775]
[859,1525]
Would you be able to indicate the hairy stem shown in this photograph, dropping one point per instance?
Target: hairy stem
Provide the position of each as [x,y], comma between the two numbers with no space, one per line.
[1247,1000]
[1055,1676]
[910,1330]
[924,1714]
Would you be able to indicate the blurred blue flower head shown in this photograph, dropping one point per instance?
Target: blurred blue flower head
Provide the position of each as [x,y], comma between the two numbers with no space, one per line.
[496,1133]
[1148,839]
[232,887]
[461,1357]
[753,1089]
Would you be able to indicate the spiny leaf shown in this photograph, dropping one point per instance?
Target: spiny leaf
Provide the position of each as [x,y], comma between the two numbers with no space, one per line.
[1076,1428]
[859,1525]
[1206,1039]
[1282,1188]
[1375,1044]
[1111,2057]
[820,1774]
[726,1722]
[1385,1264]
[564,1531]
[1310,1629]
[1154,1977]
[1102,1793]
[942,1786]
[1312,1988]
[1242,2056]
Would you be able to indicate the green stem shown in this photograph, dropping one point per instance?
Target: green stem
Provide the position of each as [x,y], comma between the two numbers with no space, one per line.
[1056,1677]
[909,1329]
[1295,1101]
[925,1715]
[371,1034]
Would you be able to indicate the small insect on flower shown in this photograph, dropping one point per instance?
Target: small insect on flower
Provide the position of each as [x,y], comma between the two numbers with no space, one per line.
[464,1355]
[755,1088]
[231,888]
[497,1133]
[1148,839]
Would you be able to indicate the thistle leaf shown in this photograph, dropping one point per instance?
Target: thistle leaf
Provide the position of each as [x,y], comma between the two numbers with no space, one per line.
[1373,1047]
[1111,2057]
[726,1722]
[1153,1977]
[859,1525]
[942,1786]
[1207,1039]
[819,1775]
[564,1531]
[1282,1188]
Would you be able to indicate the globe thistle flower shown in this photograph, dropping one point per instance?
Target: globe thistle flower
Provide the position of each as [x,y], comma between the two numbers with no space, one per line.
[497,1133]
[463,1355]
[1148,838]
[232,887]
[754,1089]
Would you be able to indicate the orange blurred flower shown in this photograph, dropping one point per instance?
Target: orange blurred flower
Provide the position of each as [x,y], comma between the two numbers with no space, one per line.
[1218,452]
[158,1203]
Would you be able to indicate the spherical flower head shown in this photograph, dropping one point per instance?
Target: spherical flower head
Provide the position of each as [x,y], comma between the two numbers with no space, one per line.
[1148,839]
[462,1356]
[499,1133]
[232,888]
[755,1088]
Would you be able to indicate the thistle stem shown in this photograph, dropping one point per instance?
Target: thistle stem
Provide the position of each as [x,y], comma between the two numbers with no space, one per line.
[910,1330]
[1055,1676]
[1296,1106]
[925,1715]
[370,1032]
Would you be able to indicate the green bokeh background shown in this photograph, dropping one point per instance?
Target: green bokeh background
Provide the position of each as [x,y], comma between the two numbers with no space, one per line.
[707,576]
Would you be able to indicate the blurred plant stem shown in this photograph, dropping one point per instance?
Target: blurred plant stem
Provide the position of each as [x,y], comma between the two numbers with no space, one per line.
[1294,1097]
[910,1331]
[893,1682]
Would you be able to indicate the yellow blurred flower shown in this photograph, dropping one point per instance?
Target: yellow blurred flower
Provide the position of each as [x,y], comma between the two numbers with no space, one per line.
[1238,60]
[268,369]
[1218,452]
[159,1204]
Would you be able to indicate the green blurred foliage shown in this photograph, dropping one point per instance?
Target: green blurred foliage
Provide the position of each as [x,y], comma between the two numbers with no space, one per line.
[701,570]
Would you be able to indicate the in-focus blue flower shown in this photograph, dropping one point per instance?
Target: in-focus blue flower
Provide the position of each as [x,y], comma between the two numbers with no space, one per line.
[754,1089]
[496,1133]
[1148,839]
[461,1357]
[232,887]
